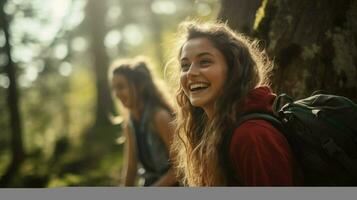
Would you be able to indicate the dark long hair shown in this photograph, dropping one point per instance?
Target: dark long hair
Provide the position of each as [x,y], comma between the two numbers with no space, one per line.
[142,82]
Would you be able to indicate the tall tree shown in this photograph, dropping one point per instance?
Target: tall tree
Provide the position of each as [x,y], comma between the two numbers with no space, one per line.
[96,11]
[313,43]
[102,132]
[239,14]
[156,28]
[17,150]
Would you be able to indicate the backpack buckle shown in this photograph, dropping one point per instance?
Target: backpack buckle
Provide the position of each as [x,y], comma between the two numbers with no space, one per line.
[330,147]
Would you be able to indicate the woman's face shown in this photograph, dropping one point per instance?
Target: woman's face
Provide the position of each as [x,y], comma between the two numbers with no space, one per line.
[203,72]
[122,90]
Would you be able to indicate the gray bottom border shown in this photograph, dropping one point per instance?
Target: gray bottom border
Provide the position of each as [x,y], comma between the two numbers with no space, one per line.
[180,193]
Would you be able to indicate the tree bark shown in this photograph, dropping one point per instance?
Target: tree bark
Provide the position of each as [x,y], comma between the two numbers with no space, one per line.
[156,28]
[17,150]
[313,44]
[96,11]
[239,14]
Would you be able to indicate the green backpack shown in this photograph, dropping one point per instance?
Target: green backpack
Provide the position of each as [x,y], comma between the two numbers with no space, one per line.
[322,133]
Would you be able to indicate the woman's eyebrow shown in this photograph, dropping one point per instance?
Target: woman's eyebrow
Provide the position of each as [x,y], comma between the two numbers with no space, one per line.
[204,54]
[199,55]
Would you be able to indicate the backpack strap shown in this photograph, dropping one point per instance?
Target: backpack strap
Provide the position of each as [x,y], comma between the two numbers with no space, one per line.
[327,143]
[141,129]
[261,115]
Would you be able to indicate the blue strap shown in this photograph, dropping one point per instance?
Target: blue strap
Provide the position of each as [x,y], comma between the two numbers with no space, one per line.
[141,132]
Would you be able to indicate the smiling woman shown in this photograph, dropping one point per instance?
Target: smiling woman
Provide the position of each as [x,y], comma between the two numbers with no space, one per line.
[148,128]
[203,71]
[223,75]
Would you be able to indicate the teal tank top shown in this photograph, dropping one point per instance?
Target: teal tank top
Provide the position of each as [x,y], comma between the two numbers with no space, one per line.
[151,150]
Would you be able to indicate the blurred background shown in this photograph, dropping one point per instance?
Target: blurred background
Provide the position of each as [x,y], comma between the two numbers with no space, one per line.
[54,57]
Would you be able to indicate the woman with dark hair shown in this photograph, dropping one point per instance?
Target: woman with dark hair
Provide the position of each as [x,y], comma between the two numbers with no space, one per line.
[148,129]
[224,74]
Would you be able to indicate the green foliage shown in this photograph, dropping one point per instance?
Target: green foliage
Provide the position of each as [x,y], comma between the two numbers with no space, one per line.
[57,83]
[4,122]
[4,160]
[81,169]
[67,180]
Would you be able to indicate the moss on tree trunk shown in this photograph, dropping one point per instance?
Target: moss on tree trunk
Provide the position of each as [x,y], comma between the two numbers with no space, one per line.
[313,43]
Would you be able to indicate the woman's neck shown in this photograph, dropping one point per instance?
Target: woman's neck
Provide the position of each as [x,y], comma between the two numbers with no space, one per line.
[209,112]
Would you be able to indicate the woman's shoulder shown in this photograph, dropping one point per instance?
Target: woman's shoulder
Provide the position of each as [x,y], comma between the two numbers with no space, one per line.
[163,124]
[261,154]
[160,114]
[159,117]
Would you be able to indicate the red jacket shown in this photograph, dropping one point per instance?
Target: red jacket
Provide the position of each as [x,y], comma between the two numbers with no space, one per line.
[260,153]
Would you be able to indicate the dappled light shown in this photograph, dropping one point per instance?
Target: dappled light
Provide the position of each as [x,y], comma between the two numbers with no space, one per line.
[61,122]
[164,7]
[64,139]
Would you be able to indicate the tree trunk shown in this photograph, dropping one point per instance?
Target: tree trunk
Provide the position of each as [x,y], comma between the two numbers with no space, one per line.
[239,14]
[17,150]
[96,11]
[156,28]
[102,133]
[313,44]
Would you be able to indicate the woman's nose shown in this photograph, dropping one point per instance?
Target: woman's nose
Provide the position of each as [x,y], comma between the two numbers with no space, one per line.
[193,70]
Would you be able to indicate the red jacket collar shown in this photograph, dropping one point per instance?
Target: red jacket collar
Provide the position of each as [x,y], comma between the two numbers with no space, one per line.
[259,99]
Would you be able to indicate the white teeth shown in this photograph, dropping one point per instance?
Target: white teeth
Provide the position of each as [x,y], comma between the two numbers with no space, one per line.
[198,85]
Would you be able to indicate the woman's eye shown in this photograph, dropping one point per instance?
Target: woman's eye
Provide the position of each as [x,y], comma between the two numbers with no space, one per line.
[185,66]
[205,62]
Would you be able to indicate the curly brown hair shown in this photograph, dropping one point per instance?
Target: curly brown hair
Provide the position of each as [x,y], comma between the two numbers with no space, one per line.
[198,139]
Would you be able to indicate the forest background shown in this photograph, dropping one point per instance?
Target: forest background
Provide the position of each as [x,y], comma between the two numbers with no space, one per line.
[54,56]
